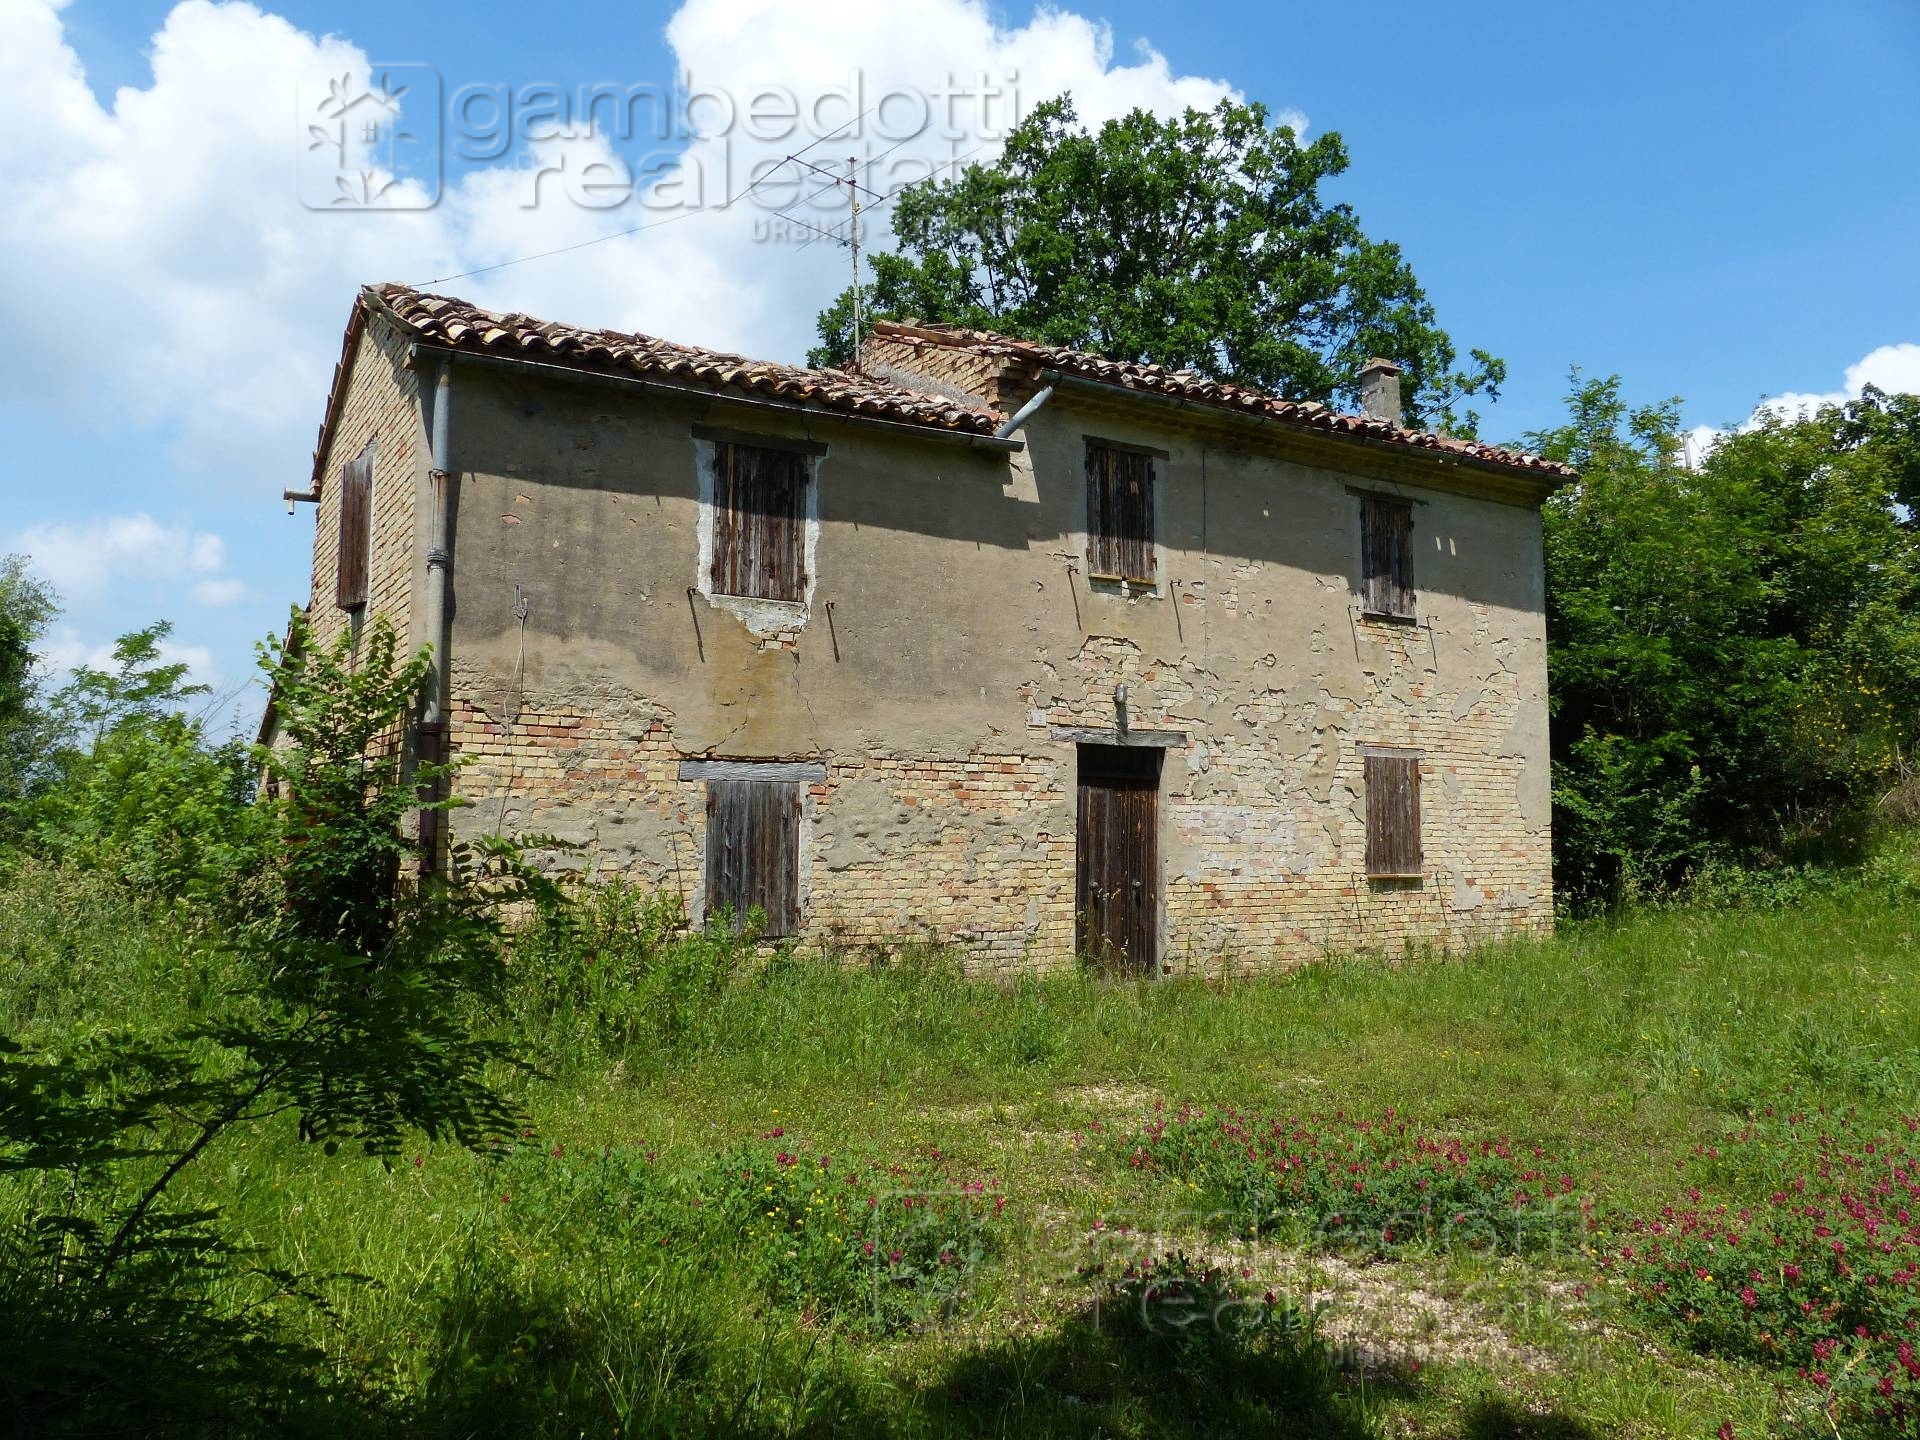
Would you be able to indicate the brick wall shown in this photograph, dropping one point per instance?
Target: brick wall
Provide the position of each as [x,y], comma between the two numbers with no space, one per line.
[381,401]
[949,862]
[924,365]
[1263,824]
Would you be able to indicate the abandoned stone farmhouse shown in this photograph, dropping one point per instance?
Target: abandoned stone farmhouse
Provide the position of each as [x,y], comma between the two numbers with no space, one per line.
[1014,647]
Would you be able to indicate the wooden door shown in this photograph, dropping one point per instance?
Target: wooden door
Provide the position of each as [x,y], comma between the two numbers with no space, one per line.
[1117,887]
[753,852]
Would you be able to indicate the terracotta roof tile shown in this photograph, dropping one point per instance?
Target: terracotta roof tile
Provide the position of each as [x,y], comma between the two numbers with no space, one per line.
[458,325]
[1188,385]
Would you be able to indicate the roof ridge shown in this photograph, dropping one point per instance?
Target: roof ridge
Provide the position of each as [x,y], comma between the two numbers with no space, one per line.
[1147,377]
[463,325]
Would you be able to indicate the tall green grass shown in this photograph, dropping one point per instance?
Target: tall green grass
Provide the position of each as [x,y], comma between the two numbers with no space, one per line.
[573,1285]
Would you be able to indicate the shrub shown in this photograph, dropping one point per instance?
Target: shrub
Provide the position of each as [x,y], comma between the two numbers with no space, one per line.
[1822,1278]
[1353,1184]
[164,811]
[613,966]
[1193,1305]
[126,1311]
[884,1246]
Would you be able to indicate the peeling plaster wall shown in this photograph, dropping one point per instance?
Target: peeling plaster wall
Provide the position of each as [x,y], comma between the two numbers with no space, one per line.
[949,632]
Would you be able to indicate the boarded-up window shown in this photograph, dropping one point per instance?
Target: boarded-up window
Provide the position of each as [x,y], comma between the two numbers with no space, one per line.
[1386,556]
[753,851]
[356,530]
[759,522]
[1393,815]
[1119,513]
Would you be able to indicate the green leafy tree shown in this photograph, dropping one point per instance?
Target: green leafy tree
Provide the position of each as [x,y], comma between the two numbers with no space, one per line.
[142,687]
[362,1017]
[339,778]
[1734,648]
[27,607]
[1201,242]
[138,788]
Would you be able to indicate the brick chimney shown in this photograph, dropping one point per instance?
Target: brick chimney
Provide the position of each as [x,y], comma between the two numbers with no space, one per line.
[1380,390]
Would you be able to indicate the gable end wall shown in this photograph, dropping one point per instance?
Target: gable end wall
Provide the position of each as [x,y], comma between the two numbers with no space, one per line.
[381,401]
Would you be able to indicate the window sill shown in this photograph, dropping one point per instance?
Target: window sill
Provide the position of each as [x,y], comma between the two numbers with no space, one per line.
[1392,877]
[1381,617]
[795,604]
[1123,582]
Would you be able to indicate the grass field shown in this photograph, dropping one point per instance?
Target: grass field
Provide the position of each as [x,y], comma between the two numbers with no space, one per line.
[1060,1245]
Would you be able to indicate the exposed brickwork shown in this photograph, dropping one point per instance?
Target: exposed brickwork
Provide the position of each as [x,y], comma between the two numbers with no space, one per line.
[381,400]
[1263,821]
[991,843]
[942,369]
[605,776]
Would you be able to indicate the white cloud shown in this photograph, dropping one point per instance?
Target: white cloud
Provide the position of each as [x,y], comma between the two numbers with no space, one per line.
[1894,369]
[214,594]
[65,651]
[157,251]
[81,562]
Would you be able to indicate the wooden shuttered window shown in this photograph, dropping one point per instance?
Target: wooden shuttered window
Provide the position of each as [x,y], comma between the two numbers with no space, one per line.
[1386,556]
[753,852]
[356,531]
[1119,514]
[759,522]
[1393,816]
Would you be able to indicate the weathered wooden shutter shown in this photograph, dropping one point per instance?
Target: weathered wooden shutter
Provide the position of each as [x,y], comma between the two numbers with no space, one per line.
[1101,560]
[759,528]
[1386,549]
[1119,514]
[753,851]
[356,531]
[1393,815]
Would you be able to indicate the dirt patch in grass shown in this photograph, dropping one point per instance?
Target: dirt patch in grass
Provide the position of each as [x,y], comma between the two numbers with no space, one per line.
[1383,1317]
[1111,1099]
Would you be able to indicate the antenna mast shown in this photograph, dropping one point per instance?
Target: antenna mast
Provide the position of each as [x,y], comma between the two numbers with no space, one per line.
[853,239]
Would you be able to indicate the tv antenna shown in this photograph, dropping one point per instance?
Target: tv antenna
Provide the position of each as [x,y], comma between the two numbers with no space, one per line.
[853,241]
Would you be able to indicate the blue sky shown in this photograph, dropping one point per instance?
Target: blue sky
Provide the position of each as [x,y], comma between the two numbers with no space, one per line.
[1718,201]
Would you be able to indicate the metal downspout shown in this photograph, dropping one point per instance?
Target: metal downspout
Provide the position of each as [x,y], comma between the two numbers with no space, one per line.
[1025,413]
[433,724]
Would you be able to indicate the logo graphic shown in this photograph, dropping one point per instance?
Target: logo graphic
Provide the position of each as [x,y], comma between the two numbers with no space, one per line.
[370,141]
